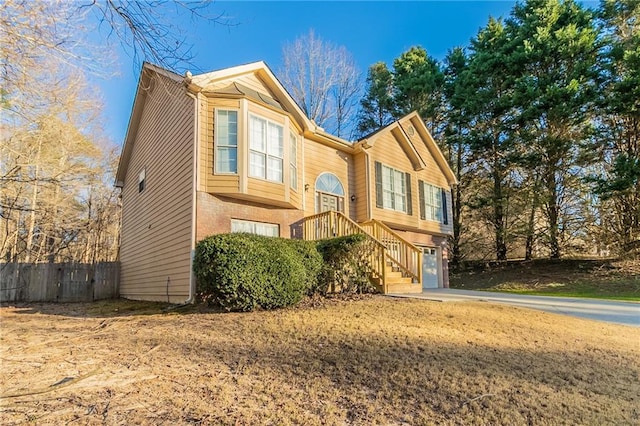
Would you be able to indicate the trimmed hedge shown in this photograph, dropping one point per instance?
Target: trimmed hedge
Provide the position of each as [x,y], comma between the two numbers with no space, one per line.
[242,272]
[312,261]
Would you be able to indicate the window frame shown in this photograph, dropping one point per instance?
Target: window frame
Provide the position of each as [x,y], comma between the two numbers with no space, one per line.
[217,146]
[432,202]
[392,191]
[293,161]
[142,180]
[266,154]
[255,225]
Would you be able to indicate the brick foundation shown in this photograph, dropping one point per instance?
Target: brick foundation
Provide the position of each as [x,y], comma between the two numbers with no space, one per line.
[214,214]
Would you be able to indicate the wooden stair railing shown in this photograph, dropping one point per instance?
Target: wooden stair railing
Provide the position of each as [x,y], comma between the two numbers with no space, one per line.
[394,250]
[405,254]
[333,224]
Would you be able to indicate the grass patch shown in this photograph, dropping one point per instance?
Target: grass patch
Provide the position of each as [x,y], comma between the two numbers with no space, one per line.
[364,360]
[601,279]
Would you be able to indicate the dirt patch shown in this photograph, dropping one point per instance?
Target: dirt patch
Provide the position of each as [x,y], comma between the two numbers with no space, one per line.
[372,360]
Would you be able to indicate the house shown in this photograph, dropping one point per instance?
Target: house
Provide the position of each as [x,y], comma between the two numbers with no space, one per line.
[231,151]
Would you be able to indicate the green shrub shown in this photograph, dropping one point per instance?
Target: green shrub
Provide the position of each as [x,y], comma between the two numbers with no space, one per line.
[345,265]
[312,261]
[242,272]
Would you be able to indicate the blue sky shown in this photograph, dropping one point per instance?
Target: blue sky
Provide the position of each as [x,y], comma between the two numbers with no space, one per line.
[371,31]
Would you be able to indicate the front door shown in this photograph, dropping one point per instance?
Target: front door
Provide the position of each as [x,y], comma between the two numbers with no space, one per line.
[328,202]
[429,268]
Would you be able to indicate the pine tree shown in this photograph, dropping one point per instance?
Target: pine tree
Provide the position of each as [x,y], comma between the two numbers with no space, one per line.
[618,138]
[377,105]
[555,47]
[486,93]
[418,83]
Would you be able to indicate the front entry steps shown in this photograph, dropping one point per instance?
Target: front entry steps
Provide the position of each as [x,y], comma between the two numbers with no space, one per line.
[396,282]
[394,264]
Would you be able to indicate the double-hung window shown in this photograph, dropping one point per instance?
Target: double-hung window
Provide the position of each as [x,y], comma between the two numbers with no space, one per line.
[266,149]
[394,189]
[226,134]
[432,202]
[293,161]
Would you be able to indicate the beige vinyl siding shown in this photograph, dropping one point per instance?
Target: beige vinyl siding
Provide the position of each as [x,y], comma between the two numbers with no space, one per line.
[433,175]
[388,151]
[156,224]
[432,172]
[318,159]
[260,188]
[251,81]
[350,206]
[360,187]
[205,152]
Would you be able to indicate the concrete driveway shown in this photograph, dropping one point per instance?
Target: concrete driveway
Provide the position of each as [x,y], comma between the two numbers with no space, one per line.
[627,313]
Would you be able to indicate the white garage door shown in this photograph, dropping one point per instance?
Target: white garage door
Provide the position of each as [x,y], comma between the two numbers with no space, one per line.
[429,268]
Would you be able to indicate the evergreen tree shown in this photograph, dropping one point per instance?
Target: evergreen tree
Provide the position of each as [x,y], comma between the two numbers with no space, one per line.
[418,87]
[456,143]
[555,48]
[618,140]
[486,97]
[377,105]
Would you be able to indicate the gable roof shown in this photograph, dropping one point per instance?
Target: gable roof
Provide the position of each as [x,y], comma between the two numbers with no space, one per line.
[144,84]
[240,90]
[194,84]
[282,98]
[400,134]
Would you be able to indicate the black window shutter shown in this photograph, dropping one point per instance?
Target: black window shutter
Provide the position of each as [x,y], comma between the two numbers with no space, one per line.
[378,184]
[409,202]
[423,215]
[445,217]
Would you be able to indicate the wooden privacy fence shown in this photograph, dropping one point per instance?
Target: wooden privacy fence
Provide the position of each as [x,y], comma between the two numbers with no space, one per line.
[58,282]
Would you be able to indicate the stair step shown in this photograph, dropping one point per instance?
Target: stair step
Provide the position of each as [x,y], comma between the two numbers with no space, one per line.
[404,288]
[392,274]
[398,280]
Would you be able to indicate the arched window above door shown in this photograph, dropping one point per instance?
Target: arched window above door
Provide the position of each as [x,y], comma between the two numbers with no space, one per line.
[330,184]
[329,193]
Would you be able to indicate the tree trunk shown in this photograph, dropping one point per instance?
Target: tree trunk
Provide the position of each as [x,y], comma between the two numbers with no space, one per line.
[531,221]
[528,250]
[498,206]
[553,213]
[456,249]
[498,224]
[33,205]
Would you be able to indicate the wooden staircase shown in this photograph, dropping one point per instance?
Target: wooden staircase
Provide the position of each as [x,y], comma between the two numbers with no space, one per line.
[395,265]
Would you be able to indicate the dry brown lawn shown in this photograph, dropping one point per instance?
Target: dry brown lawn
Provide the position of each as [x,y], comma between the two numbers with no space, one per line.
[369,361]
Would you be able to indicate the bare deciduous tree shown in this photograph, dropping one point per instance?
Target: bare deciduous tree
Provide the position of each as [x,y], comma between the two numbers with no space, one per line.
[57,201]
[324,80]
[148,29]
